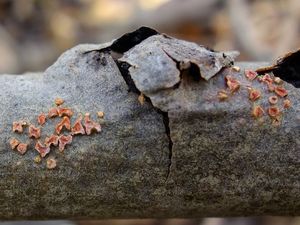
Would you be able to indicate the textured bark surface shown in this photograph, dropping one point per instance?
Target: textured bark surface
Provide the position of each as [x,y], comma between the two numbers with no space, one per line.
[181,154]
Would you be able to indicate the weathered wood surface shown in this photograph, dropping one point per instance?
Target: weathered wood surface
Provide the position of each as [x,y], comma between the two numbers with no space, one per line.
[183,153]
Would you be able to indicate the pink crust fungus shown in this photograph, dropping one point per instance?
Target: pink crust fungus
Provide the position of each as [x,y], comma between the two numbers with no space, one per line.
[274,111]
[273,99]
[52,140]
[59,101]
[18,126]
[254,94]
[281,91]
[250,74]
[232,83]
[78,128]
[65,112]
[51,163]
[222,95]
[287,104]
[267,79]
[41,119]
[271,87]
[53,112]
[43,150]
[65,122]
[90,125]
[257,111]
[34,132]
[63,141]
[22,148]
[14,143]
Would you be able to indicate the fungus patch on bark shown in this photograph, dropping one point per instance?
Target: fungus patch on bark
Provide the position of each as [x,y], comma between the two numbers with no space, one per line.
[18,126]
[273,99]
[34,132]
[250,74]
[258,111]
[22,148]
[53,112]
[287,104]
[59,101]
[41,119]
[90,125]
[77,127]
[63,141]
[42,149]
[51,163]
[232,83]
[254,94]
[14,143]
[53,140]
[64,123]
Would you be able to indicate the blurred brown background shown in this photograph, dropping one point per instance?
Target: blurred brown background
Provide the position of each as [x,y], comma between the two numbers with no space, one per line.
[33,33]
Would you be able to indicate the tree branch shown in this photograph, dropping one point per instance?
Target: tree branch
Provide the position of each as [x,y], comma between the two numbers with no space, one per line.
[222,161]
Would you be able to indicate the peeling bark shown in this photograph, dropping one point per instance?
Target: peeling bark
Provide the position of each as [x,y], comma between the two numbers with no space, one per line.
[183,153]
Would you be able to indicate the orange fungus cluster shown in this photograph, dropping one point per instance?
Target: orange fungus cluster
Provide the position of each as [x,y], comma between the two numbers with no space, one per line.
[62,136]
[277,95]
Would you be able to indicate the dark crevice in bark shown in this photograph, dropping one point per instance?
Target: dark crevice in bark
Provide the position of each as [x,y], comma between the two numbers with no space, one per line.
[166,121]
[287,68]
[124,70]
[129,40]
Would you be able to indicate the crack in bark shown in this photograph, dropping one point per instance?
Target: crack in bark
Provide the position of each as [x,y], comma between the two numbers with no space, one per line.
[116,50]
[124,70]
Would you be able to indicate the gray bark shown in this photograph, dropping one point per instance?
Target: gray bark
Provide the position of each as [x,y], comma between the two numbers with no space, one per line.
[181,154]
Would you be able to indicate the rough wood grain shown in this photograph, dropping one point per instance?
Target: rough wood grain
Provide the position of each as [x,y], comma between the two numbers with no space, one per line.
[183,153]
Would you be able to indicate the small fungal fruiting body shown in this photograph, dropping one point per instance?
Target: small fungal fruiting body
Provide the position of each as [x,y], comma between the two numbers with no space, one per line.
[222,95]
[90,125]
[274,111]
[65,112]
[22,148]
[65,122]
[236,68]
[34,132]
[141,99]
[37,159]
[18,126]
[63,141]
[43,150]
[41,119]
[52,140]
[273,99]
[59,101]
[267,79]
[250,74]
[51,164]
[287,104]
[100,114]
[232,83]
[282,92]
[254,94]
[271,87]
[78,128]
[257,112]
[277,80]
[14,143]
[53,112]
